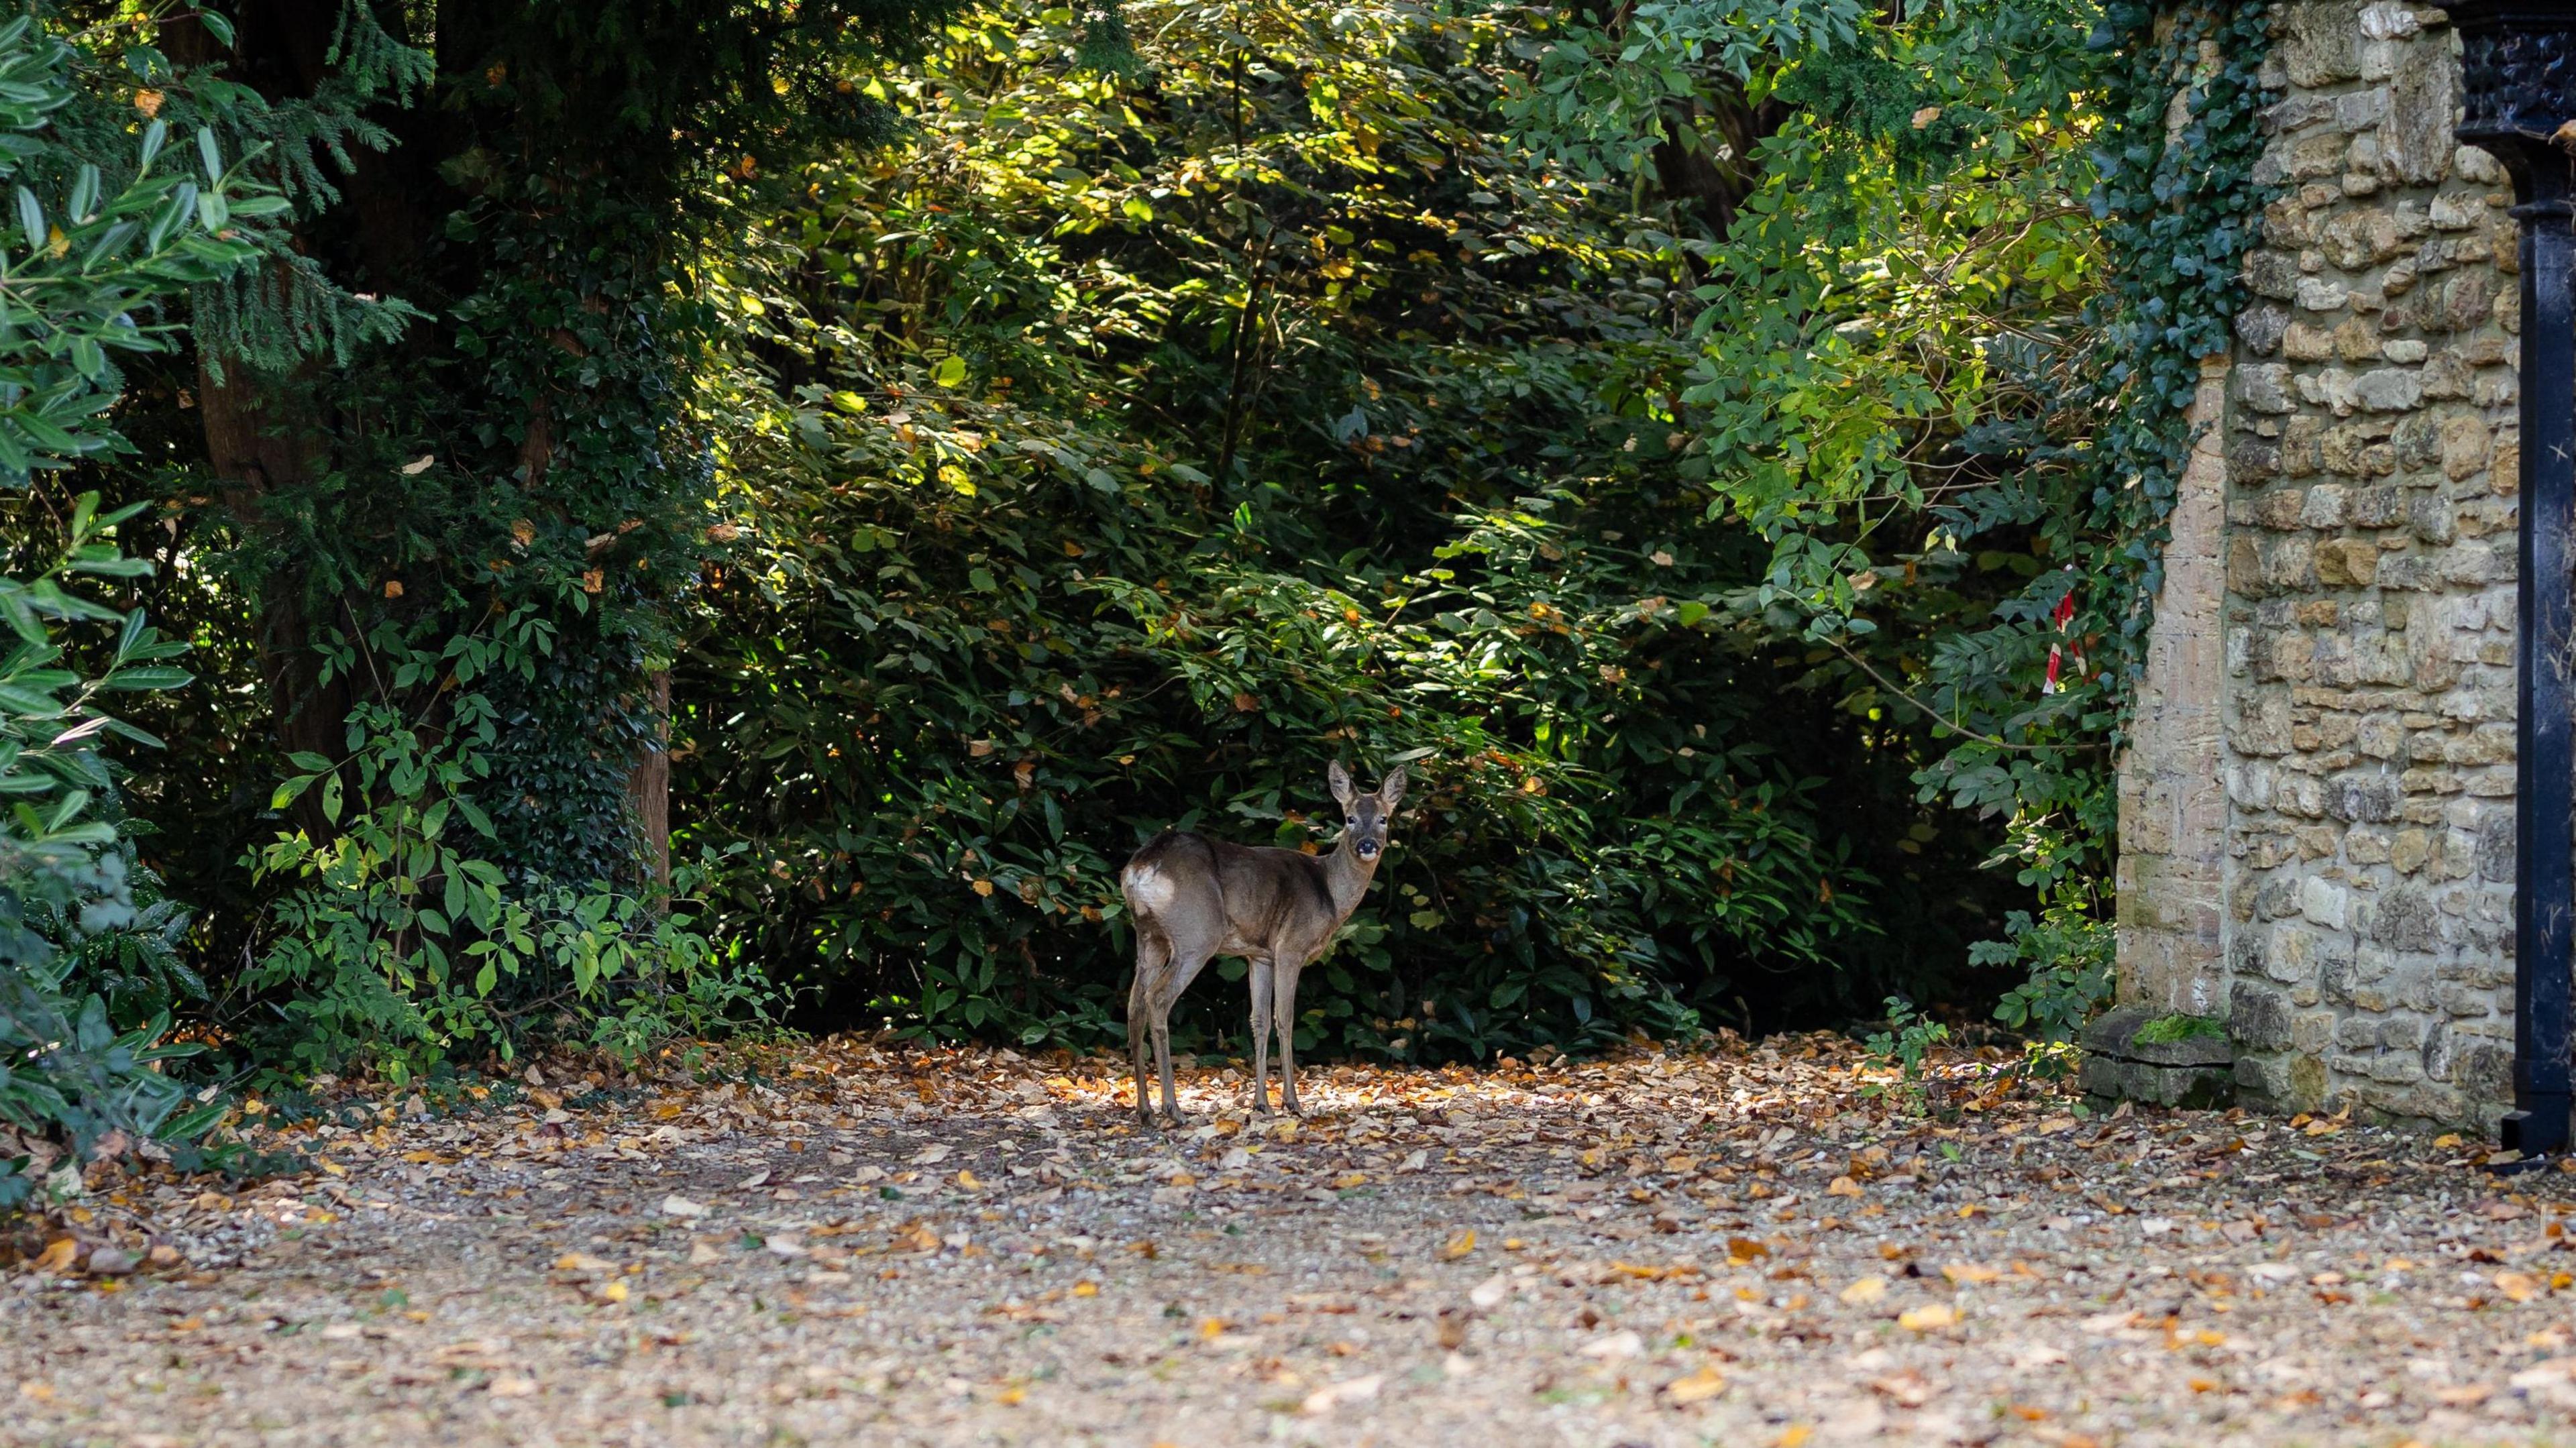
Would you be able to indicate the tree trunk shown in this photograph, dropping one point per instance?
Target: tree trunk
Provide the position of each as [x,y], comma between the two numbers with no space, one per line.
[254,452]
[648,789]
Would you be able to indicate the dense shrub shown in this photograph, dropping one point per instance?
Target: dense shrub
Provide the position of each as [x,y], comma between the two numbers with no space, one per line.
[1127,446]
[1666,429]
[95,248]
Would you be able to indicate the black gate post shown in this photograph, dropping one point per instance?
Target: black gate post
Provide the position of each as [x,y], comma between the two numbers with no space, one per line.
[2519,84]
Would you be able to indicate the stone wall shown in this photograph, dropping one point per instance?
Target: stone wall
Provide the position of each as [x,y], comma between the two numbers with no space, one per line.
[2367,702]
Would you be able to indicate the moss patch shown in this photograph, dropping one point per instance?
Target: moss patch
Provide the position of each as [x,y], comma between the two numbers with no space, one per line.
[2176,1028]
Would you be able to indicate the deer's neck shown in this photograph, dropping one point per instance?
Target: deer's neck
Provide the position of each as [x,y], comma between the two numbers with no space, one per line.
[1347,876]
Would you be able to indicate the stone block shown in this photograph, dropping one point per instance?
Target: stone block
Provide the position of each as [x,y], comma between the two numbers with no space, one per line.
[2318,294]
[2313,156]
[2323,903]
[2279,509]
[2323,507]
[2464,445]
[2375,507]
[2430,519]
[2265,388]
[2467,298]
[2453,212]
[2261,329]
[2319,45]
[2389,389]
[2197,1071]
[2446,374]
[2484,1071]
[2307,342]
[2346,562]
[2493,856]
[2367,795]
[2258,1017]
[2272,274]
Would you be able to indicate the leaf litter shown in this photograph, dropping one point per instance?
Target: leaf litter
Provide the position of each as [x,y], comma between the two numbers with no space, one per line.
[854,1241]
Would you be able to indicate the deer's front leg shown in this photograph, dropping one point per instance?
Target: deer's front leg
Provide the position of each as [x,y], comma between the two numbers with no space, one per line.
[1261,987]
[1284,1009]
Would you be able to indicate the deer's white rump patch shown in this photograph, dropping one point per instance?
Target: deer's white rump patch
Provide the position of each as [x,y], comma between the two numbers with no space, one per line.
[1148,890]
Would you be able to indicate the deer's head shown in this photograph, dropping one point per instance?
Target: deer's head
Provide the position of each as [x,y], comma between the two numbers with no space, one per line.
[1364,816]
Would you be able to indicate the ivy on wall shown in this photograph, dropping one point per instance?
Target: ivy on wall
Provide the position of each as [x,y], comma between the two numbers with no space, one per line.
[2179,205]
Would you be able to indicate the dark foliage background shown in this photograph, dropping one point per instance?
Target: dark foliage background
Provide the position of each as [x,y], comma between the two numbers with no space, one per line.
[1140,442]
[697,514]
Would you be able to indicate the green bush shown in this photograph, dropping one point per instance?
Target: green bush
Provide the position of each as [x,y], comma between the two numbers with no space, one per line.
[1120,451]
[399,942]
[73,1069]
[2066,958]
[91,254]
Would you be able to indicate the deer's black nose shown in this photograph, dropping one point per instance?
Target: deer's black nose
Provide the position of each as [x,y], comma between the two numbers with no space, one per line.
[1368,849]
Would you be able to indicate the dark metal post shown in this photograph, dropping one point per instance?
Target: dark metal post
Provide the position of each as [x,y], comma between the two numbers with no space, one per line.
[2519,83]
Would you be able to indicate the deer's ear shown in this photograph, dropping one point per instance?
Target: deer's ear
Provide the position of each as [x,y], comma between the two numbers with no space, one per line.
[1340,779]
[1390,790]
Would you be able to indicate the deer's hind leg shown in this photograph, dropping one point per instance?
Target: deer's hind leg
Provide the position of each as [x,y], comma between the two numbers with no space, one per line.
[1153,961]
[1261,972]
[1187,960]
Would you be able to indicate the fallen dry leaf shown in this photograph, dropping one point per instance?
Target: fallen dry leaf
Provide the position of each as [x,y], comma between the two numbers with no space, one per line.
[1867,1289]
[2466,1395]
[1908,1389]
[1696,1387]
[1353,1390]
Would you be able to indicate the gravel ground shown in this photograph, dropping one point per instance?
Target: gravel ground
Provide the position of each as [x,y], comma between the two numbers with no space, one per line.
[863,1245]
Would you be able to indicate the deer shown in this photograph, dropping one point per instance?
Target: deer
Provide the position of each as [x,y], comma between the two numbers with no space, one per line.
[1193,898]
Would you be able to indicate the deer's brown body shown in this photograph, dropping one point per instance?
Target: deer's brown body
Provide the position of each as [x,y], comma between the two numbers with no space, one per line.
[1194,898]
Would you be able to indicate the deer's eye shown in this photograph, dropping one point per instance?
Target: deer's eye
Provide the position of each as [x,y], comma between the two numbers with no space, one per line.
[1350,822]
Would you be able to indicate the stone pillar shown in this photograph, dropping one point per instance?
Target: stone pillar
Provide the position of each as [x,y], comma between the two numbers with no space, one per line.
[2173,805]
[2372,492]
